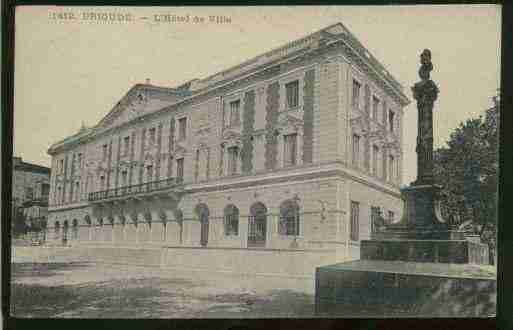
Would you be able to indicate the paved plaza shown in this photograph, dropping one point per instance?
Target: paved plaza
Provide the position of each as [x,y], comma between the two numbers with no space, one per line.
[67,287]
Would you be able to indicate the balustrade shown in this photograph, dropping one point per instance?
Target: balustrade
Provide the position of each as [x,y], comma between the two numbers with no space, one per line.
[141,188]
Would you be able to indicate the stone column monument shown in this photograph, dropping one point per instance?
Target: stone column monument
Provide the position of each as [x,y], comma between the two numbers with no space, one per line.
[419,266]
[422,218]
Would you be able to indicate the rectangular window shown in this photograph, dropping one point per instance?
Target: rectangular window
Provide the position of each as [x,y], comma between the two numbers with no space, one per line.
[292,92]
[375,107]
[29,193]
[355,221]
[375,155]
[126,145]
[77,191]
[233,155]
[391,216]
[375,215]
[104,152]
[45,190]
[384,114]
[61,166]
[235,113]
[356,150]
[149,173]
[102,182]
[79,161]
[124,178]
[151,137]
[179,169]
[290,149]
[73,163]
[182,128]
[391,166]
[356,94]
[391,116]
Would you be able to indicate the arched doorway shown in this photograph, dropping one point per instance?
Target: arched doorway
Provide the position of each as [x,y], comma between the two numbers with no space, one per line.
[44,225]
[257,225]
[75,228]
[289,218]
[57,230]
[203,213]
[179,220]
[65,232]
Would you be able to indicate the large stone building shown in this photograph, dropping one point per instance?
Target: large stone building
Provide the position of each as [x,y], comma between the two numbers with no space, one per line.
[30,190]
[286,156]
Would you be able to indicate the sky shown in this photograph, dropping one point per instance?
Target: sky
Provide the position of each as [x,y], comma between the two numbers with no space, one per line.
[73,71]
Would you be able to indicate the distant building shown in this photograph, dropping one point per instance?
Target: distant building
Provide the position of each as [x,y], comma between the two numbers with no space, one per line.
[294,150]
[30,191]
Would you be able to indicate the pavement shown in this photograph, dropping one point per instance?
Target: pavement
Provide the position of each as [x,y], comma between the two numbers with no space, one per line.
[70,288]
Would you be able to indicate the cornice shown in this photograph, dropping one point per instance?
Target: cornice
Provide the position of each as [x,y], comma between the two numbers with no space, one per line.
[385,82]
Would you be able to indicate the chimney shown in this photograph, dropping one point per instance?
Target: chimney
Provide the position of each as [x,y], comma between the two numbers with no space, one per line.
[147,81]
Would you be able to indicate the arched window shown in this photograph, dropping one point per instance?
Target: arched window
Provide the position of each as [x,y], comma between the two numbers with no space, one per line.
[111,220]
[147,217]
[163,217]
[87,220]
[257,225]
[289,218]
[75,229]
[57,227]
[231,220]
[100,222]
[65,231]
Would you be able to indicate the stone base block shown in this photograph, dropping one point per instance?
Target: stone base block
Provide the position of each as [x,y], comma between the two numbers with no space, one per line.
[430,233]
[457,252]
[372,288]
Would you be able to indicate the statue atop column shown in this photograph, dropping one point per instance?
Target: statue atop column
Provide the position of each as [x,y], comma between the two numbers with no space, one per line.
[425,92]
[422,218]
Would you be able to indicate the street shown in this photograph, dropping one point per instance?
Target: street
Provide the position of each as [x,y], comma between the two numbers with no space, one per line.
[69,288]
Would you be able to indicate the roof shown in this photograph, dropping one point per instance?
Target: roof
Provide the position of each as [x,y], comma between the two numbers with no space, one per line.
[333,33]
[19,165]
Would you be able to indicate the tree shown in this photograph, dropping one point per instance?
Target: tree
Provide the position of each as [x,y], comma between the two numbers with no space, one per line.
[467,169]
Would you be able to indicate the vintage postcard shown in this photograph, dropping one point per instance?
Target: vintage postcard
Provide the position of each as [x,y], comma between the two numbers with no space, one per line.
[255,162]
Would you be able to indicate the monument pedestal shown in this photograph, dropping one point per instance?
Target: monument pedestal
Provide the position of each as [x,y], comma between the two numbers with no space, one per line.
[417,267]
[422,218]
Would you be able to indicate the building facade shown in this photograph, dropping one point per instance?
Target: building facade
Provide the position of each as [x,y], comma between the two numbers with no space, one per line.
[30,191]
[293,150]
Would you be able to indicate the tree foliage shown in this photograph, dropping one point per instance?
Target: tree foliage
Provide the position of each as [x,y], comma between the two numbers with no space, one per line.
[467,169]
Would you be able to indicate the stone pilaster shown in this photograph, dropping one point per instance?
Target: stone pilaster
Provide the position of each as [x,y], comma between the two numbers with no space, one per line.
[118,155]
[131,157]
[159,151]
[272,108]
[308,116]
[141,155]
[247,130]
